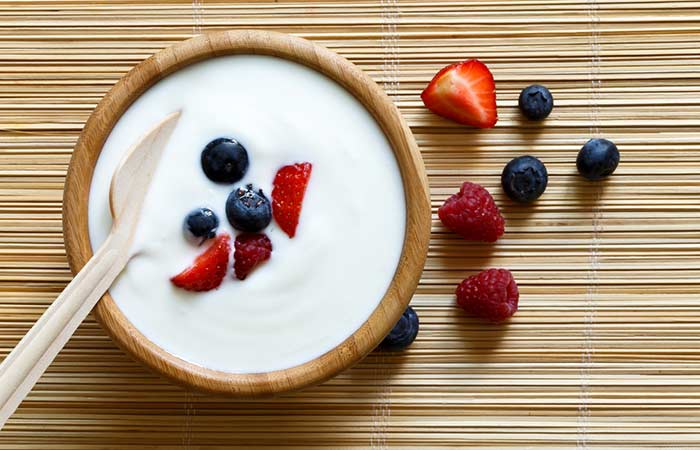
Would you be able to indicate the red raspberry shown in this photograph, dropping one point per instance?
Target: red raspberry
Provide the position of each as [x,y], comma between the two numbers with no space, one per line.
[491,294]
[473,214]
[208,270]
[250,250]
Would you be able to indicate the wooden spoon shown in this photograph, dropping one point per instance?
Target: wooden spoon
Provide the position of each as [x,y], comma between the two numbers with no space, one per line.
[27,362]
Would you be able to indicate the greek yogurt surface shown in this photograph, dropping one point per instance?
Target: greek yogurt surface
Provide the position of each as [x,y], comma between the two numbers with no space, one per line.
[318,287]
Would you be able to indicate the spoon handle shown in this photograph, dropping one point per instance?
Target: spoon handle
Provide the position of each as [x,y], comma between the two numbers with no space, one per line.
[23,367]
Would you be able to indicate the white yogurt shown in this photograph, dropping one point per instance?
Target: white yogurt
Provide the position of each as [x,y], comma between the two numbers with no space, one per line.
[317,288]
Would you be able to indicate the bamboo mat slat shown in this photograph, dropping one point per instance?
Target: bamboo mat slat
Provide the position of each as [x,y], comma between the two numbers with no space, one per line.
[604,350]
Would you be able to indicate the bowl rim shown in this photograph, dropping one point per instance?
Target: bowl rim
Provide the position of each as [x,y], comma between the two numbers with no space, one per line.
[372,97]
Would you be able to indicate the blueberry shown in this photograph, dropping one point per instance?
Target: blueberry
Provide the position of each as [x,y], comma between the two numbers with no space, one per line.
[200,225]
[224,160]
[536,102]
[403,333]
[248,210]
[597,159]
[524,179]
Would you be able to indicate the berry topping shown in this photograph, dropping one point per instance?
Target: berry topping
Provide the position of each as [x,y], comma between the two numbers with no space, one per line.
[403,333]
[597,159]
[491,294]
[248,210]
[464,92]
[224,160]
[536,102]
[473,214]
[200,225]
[288,195]
[209,269]
[249,251]
[524,179]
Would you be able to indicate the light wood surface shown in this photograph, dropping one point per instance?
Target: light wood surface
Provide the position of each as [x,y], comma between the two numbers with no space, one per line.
[603,353]
[415,183]
[27,362]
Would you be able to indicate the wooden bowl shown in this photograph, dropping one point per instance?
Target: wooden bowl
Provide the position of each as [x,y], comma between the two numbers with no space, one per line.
[415,247]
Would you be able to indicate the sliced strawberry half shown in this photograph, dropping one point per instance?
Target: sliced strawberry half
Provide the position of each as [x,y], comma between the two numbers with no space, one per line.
[209,269]
[288,192]
[464,92]
[249,251]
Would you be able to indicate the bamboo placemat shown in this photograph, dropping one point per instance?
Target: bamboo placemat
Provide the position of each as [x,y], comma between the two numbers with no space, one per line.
[603,352]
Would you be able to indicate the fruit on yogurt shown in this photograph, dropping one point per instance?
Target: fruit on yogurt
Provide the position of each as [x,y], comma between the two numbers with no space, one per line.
[403,333]
[524,179]
[597,159]
[207,328]
[249,251]
[491,294]
[209,269]
[535,102]
[248,210]
[288,192]
[464,92]
[224,160]
[200,224]
[473,214]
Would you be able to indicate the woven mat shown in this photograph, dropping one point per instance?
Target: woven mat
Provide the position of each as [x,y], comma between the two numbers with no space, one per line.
[604,350]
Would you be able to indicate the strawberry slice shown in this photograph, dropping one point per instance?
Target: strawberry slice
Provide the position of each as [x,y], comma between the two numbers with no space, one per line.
[288,194]
[209,269]
[250,251]
[464,92]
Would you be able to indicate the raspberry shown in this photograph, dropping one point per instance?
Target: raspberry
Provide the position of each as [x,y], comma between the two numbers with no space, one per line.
[250,250]
[491,294]
[473,214]
[208,269]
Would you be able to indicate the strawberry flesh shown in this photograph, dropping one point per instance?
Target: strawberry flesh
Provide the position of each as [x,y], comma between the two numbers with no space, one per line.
[464,92]
[209,269]
[288,192]
[249,251]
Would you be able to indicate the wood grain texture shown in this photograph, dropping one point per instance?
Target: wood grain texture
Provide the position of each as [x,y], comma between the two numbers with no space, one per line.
[415,183]
[612,274]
